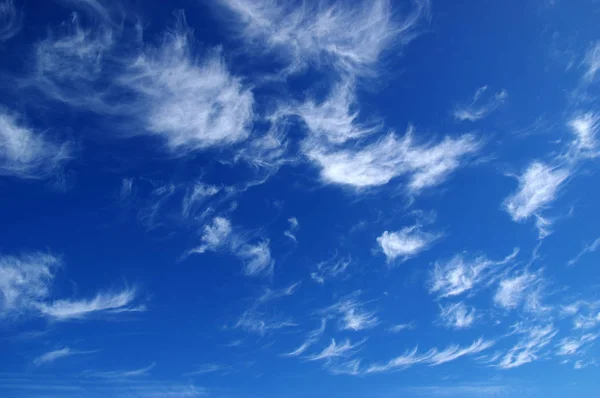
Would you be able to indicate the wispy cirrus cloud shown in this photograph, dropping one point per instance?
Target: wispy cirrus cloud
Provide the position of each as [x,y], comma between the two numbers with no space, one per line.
[333,267]
[432,357]
[10,20]
[461,275]
[405,243]
[102,304]
[167,90]
[591,62]
[311,338]
[351,313]
[538,187]
[335,350]
[424,165]
[479,108]
[27,153]
[589,248]
[258,322]
[457,315]
[64,352]
[26,284]
[529,347]
[572,346]
[256,257]
[400,327]
[517,289]
[191,105]
[121,374]
[318,34]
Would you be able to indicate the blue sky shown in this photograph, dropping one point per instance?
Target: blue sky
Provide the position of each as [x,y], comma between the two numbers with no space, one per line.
[242,198]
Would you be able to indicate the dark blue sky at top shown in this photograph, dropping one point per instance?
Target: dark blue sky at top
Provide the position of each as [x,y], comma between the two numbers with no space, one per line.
[301,271]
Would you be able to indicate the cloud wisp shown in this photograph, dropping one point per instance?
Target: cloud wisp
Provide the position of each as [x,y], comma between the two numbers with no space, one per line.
[26,285]
[27,153]
[351,313]
[311,338]
[461,275]
[10,20]
[52,356]
[405,243]
[530,346]
[457,316]
[220,236]
[479,108]
[318,35]
[432,357]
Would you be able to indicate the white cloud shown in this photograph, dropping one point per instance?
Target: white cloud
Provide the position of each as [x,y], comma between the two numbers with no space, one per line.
[105,302]
[293,221]
[26,153]
[460,275]
[457,315]
[219,235]
[585,129]
[214,235]
[378,163]
[25,280]
[513,291]
[572,346]
[192,105]
[209,368]
[400,327]
[26,287]
[331,268]
[272,294]
[316,34]
[586,321]
[592,247]
[257,258]
[52,356]
[405,243]
[196,195]
[312,337]
[10,20]
[592,61]
[538,187]
[123,374]
[352,315]
[335,350]
[126,188]
[167,90]
[334,120]
[432,357]
[255,321]
[476,110]
[529,347]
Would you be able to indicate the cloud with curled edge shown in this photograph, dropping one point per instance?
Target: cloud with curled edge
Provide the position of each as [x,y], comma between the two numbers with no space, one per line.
[432,357]
[10,20]
[219,235]
[457,316]
[572,346]
[376,164]
[335,350]
[405,243]
[331,268]
[476,110]
[318,34]
[540,183]
[26,287]
[529,347]
[29,154]
[512,291]
[312,337]
[191,105]
[351,313]
[165,90]
[122,374]
[460,275]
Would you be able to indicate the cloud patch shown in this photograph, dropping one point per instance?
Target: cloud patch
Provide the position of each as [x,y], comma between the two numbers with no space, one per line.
[10,20]
[405,243]
[27,153]
[479,108]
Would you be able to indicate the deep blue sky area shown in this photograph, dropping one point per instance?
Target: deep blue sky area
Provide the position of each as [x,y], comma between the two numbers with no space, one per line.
[324,198]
